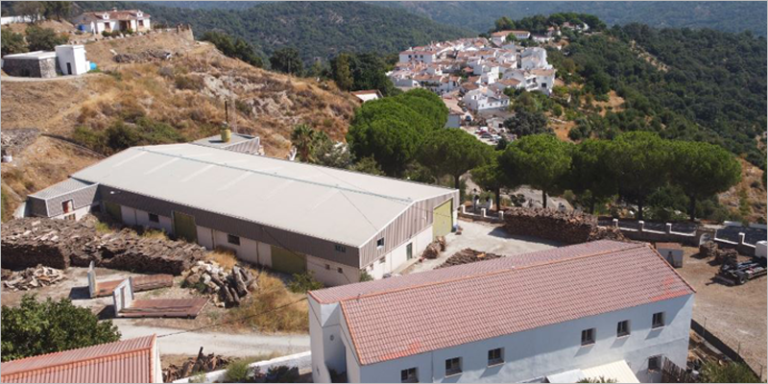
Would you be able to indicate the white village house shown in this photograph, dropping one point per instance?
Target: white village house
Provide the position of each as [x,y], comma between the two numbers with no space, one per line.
[112,21]
[291,217]
[604,308]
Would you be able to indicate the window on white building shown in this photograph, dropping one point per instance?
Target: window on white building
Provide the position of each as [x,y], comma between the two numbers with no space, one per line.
[154,218]
[328,267]
[658,320]
[340,270]
[495,356]
[588,336]
[453,366]
[232,239]
[67,206]
[622,329]
[380,243]
[654,363]
[409,376]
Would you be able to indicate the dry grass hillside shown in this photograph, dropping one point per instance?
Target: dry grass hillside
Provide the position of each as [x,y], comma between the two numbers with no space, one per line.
[186,92]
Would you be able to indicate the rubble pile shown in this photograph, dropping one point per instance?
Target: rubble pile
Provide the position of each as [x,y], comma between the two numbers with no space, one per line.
[563,227]
[708,249]
[32,278]
[467,256]
[195,365]
[227,289]
[142,57]
[60,243]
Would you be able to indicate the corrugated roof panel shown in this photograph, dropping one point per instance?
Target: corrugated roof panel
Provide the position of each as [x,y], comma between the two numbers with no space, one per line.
[277,193]
[61,188]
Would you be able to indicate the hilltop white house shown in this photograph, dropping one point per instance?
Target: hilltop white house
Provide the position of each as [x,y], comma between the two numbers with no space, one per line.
[288,216]
[605,308]
[114,20]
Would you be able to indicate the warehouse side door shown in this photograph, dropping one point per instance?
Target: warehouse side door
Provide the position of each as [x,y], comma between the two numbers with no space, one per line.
[184,226]
[287,261]
[442,219]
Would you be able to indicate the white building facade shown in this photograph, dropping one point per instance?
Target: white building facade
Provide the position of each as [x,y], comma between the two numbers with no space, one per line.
[390,330]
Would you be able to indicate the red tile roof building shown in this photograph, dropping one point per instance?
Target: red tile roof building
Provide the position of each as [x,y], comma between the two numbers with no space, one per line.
[406,316]
[126,361]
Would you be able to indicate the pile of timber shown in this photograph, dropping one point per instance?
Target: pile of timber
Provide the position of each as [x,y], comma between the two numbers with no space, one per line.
[228,289]
[32,278]
[710,249]
[195,365]
[434,248]
[563,227]
[60,243]
[467,256]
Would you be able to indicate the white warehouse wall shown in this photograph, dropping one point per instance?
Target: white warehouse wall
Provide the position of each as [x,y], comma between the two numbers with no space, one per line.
[553,349]
[398,256]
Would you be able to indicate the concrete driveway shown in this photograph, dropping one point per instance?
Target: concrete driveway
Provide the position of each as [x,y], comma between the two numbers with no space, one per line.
[483,237]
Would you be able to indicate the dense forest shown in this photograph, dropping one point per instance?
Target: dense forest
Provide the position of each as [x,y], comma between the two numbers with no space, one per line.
[703,85]
[728,16]
[477,15]
[317,30]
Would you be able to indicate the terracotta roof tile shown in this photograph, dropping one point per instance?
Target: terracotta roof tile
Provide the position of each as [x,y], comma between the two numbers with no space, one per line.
[396,318]
[126,361]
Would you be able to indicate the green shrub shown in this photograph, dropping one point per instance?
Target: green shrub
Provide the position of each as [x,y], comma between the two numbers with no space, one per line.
[35,328]
[43,39]
[365,276]
[731,372]
[303,282]
[190,82]
[282,374]
[237,371]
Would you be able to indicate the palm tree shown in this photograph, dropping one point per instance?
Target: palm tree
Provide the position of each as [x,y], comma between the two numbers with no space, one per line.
[303,138]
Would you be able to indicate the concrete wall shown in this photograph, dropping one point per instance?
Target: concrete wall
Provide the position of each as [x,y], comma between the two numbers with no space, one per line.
[327,272]
[301,361]
[398,256]
[552,349]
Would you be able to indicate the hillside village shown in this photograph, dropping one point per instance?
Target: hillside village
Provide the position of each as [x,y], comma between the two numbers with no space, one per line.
[195,218]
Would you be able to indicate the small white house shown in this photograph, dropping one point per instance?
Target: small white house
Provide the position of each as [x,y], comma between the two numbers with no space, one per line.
[604,308]
[112,21]
[71,59]
[482,99]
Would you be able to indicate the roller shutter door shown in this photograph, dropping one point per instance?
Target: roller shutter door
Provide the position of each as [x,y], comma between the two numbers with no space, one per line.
[288,261]
[442,219]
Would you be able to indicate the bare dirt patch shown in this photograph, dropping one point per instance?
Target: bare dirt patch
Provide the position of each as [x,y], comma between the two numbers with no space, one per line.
[751,185]
[615,103]
[735,314]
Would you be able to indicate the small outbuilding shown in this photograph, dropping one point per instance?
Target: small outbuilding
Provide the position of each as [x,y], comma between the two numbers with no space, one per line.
[72,60]
[672,252]
[31,64]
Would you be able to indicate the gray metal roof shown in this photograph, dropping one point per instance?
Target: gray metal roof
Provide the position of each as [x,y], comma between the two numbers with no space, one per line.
[215,141]
[61,188]
[332,204]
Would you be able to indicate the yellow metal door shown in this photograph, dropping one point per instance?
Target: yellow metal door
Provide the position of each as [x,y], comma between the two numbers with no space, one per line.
[442,219]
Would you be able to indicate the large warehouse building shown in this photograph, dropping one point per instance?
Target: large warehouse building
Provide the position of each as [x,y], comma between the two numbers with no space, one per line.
[288,216]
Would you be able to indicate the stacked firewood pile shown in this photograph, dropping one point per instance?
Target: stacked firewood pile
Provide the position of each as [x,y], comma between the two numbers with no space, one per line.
[434,248]
[710,249]
[60,243]
[127,250]
[195,365]
[32,278]
[228,290]
[563,227]
[467,256]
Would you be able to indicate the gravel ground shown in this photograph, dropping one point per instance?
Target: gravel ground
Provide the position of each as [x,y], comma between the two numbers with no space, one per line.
[735,314]
[483,237]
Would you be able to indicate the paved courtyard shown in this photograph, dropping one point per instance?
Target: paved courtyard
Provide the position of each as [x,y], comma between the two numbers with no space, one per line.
[484,237]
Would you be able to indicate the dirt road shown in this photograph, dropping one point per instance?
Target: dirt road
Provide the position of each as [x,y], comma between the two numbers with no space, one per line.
[226,344]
